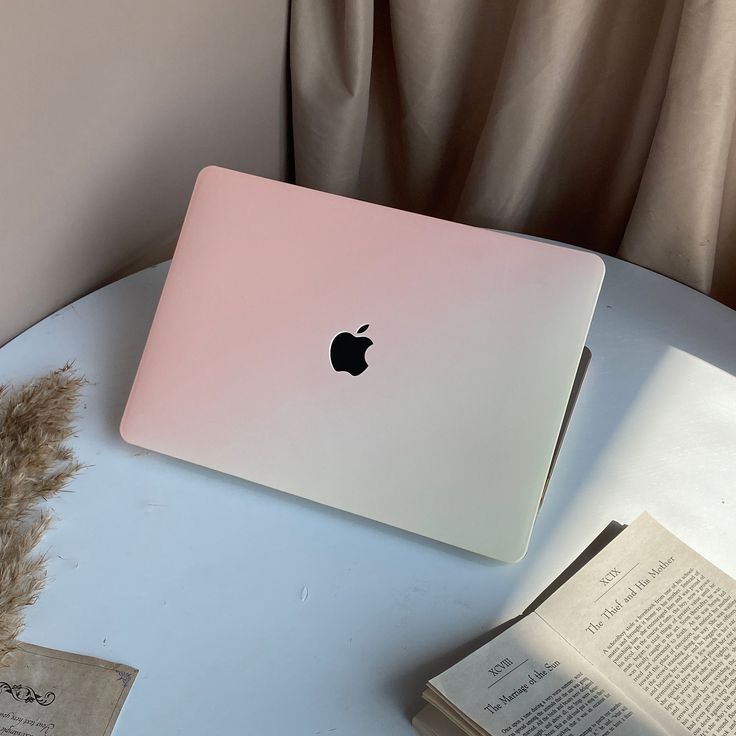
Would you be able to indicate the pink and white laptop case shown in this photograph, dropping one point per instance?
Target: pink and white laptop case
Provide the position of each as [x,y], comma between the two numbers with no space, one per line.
[407,369]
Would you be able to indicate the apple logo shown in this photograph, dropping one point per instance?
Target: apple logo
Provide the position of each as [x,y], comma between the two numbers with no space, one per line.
[347,352]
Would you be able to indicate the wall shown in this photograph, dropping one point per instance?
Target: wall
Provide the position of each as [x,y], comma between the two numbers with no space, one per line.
[107,111]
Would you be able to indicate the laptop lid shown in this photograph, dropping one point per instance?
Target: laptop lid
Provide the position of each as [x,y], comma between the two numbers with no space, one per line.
[407,369]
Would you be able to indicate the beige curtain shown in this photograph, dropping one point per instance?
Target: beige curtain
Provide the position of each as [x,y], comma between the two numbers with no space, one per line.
[604,123]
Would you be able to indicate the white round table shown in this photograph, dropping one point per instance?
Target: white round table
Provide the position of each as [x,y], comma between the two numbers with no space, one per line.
[252,612]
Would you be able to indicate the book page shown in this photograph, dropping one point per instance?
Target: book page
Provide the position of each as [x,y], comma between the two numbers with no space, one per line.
[660,622]
[529,682]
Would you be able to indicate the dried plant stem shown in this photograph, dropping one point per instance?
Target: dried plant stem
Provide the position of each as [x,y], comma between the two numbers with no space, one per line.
[35,464]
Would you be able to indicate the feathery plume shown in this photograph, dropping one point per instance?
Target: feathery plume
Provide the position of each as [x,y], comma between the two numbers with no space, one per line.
[35,464]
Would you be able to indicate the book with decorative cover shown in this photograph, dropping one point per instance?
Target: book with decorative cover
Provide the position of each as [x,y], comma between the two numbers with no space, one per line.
[636,638]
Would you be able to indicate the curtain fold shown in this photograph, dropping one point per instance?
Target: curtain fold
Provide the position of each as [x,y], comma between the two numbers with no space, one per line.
[604,123]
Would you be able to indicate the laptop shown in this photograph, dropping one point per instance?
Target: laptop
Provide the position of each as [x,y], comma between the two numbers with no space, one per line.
[399,367]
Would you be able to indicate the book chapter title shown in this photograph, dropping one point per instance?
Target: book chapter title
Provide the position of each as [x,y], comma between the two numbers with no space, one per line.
[610,579]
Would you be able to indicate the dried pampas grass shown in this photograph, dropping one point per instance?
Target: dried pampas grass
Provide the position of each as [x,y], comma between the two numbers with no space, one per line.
[35,464]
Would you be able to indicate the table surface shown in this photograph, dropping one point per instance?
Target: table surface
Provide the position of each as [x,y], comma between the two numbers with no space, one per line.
[249,611]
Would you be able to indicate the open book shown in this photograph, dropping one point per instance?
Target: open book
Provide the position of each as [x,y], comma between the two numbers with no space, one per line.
[639,641]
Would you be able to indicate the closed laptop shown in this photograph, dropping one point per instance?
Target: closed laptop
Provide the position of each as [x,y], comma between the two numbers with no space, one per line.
[407,369]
